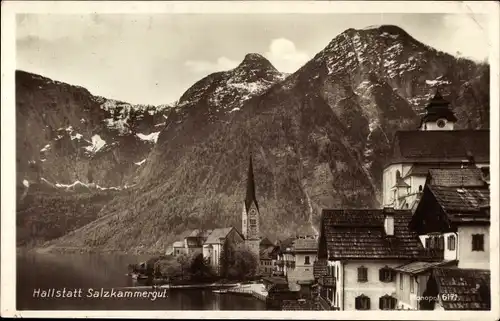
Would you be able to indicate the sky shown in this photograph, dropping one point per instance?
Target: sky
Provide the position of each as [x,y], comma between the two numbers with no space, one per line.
[153,59]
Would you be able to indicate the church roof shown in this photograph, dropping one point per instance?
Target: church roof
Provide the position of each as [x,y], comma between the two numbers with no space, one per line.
[438,146]
[218,235]
[456,177]
[250,196]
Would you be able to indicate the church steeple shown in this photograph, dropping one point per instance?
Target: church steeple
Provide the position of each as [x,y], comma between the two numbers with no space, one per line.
[250,196]
[438,114]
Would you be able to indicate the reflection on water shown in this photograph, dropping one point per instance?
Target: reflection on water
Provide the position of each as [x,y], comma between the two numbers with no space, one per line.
[38,272]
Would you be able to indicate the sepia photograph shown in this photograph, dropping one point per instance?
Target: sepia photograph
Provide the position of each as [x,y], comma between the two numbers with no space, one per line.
[258,157]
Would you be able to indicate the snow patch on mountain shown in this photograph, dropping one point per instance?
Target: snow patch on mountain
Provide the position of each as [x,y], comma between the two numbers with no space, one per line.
[141,162]
[45,148]
[97,144]
[152,138]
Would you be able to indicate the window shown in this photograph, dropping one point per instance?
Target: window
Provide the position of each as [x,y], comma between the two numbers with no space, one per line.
[427,242]
[412,284]
[362,302]
[441,123]
[362,274]
[338,274]
[401,281]
[478,242]
[306,260]
[420,188]
[387,302]
[252,221]
[451,242]
[386,274]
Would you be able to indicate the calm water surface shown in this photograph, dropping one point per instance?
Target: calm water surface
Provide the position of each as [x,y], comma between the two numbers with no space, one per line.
[37,272]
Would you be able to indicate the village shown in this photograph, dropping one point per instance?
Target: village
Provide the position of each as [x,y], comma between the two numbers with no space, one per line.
[426,248]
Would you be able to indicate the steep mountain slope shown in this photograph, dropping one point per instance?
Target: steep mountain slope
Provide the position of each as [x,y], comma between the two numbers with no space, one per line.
[65,134]
[319,138]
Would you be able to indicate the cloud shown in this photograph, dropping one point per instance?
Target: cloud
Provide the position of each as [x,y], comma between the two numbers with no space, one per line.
[466,34]
[203,66]
[284,55]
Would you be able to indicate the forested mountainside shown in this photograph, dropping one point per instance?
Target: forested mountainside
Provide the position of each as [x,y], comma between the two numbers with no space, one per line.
[318,137]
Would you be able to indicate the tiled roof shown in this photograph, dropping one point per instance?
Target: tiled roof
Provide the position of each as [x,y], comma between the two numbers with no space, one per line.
[265,242]
[457,177]
[441,146]
[462,204]
[178,244]
[265,254]
[298,305]
[359,234]
[420,267]
[200,233]
[469,288]
[218,234]
[306,245]
[320,268]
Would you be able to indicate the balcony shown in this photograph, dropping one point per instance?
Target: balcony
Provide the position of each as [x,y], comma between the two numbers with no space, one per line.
[328,281]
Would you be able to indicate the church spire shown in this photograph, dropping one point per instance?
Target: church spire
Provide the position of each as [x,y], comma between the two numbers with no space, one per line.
[250,197]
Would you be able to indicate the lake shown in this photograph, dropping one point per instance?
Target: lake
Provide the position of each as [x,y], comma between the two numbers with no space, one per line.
[40,276]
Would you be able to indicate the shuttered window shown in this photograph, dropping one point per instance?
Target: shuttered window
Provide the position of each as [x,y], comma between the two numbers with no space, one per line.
[478,242]
[362,274]
[387,302]
[452,242]
[386,274]
[362,302]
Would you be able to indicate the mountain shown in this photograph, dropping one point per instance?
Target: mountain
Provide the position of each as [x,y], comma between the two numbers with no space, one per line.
[318,137]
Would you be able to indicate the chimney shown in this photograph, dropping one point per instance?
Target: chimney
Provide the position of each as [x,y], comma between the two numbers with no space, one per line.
[389,221]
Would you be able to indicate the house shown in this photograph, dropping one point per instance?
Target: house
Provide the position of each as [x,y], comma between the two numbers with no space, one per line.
[436,144]
[194,241]
[411,282]
[278,291]
[266,262]
[304,250]
[285,257]
[214,244]
[455,219]
[457,289]
[358,250]
[179,248]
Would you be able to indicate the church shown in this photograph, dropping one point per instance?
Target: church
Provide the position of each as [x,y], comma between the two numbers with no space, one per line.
[211,242]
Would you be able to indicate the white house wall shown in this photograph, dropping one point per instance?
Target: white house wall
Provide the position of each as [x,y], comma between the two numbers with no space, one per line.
[469,259]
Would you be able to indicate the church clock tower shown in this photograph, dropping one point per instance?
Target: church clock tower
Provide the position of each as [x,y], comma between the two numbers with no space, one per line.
[250,218]
[438,114]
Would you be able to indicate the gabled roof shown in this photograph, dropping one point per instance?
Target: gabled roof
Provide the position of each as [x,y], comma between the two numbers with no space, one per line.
[415,146]
[456,177]
[305,245]
[421,267]
[443,208]
[462,204]
[266,242]
[359,234]
[200,233]
[266,254]
[466,289]
[218,234]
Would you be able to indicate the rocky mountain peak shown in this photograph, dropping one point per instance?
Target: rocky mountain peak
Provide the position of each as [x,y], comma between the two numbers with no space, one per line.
[256,61]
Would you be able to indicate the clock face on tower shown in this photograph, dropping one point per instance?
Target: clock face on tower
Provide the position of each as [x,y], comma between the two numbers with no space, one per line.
[441,123]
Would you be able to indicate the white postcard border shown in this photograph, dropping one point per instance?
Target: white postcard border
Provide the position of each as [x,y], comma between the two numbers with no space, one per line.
[8,221]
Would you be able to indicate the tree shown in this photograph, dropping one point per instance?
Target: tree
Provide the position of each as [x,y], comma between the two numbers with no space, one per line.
[238,262]
[200,269]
